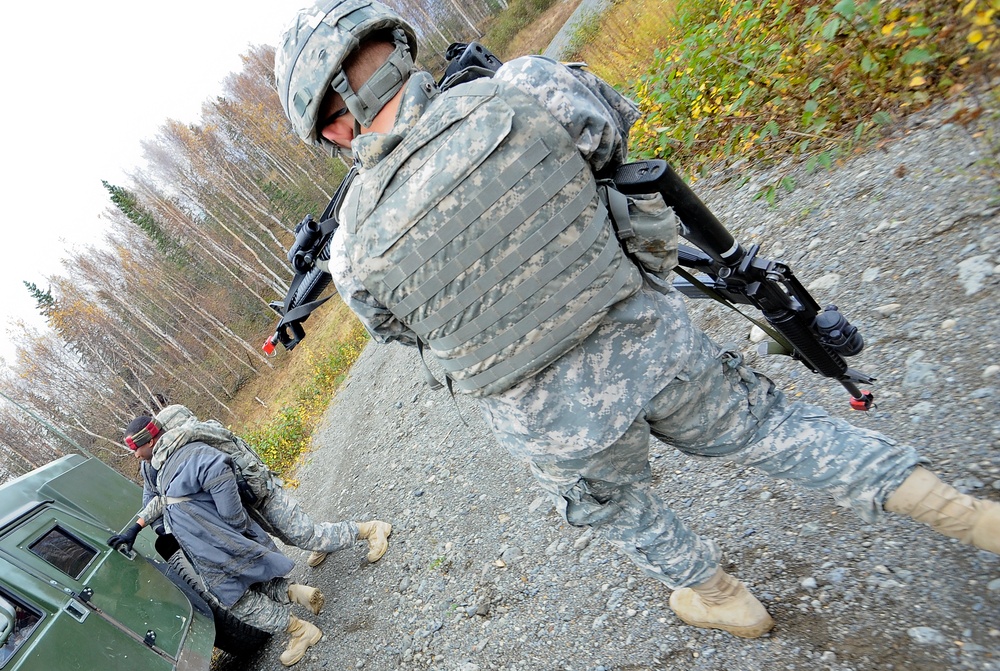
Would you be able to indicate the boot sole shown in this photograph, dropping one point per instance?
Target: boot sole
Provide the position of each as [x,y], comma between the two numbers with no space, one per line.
[382,553]
[749,631]
[316,602]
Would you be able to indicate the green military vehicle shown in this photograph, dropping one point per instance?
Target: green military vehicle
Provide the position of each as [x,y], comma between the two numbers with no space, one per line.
[67,600]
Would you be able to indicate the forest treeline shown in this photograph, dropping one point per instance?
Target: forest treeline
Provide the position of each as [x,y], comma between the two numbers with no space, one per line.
[173,305]
[173,308]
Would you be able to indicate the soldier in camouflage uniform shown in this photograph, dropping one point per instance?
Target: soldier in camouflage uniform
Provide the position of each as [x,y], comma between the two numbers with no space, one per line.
[239,567]
[476,229]
[280,514]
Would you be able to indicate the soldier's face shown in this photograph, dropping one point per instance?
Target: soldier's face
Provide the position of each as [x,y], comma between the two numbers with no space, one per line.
[145,452]
[336,124]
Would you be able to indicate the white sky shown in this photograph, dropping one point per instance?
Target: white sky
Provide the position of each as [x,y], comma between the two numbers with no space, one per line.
[85,82]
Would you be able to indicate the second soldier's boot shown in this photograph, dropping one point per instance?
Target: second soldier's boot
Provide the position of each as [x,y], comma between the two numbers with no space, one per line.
[376,533]
[304,635]
[722,602]
[310,597]
[316,557]
[926,499]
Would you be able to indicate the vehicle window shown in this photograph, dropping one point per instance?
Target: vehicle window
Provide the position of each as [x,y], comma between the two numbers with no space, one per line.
[18,620]
[66,553]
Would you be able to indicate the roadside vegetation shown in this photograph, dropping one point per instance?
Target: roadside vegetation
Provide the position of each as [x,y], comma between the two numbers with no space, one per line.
[717,82]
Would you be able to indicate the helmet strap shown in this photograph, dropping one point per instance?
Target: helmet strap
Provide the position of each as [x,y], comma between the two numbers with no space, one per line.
[385,82]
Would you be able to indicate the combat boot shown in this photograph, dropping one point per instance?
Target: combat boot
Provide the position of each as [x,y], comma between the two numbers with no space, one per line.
[926,499]
[310,597]
[722,602]
[316,557]
[304,635]
[375,533]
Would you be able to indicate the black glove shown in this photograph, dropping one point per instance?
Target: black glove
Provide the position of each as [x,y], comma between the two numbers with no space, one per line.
[126,538]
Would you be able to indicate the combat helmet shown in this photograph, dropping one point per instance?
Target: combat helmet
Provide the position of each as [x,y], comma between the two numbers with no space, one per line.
[309,61]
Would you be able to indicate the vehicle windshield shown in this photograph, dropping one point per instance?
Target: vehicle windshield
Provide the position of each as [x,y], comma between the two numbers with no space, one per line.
[17,620]
[66,553]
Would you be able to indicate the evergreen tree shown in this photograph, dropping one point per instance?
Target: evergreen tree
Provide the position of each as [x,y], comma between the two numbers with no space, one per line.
[43,299]
[129,205]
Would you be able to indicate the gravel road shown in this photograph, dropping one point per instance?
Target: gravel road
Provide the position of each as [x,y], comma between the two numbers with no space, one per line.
[483,574]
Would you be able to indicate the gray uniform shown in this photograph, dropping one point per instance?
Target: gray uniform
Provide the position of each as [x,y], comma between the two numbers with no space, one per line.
[281,515]
[584,421]
[238,564]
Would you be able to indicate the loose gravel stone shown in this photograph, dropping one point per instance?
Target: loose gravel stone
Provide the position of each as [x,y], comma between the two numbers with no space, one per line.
[845,594]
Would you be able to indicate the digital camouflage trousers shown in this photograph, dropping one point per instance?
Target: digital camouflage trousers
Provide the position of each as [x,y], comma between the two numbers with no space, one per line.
[265,606]
[717,407]
[283,517]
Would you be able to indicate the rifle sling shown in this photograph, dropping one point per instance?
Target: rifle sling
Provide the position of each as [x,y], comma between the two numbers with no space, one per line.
[712,293]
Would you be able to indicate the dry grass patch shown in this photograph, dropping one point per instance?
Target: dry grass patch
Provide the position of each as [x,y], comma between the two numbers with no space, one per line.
[277,388]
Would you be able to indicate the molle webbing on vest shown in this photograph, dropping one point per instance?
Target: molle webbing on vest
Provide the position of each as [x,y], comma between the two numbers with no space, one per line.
[493,235]
[553,338]
[521,292]
[524,292]
[483,232]
[468,215]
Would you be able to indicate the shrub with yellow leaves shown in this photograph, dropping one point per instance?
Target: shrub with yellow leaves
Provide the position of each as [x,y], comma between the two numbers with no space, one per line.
[764,78]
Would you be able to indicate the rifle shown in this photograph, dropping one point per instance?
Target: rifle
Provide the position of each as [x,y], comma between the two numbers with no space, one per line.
[312,244]
[819,338]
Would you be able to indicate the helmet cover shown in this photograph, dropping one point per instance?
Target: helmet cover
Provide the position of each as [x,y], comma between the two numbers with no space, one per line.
[311,54]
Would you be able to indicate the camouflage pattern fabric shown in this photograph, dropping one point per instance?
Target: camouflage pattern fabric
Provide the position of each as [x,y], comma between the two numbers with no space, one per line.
[584,422]
[279,514]
[713,407]
[493,245]
[283,517]
[265,606]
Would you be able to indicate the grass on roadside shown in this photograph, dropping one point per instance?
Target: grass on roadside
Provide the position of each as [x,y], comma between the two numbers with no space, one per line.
[501,31]
[283,408]
[719,80]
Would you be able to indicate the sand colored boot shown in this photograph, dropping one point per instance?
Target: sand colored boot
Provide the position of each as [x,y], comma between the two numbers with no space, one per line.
[376,533]
[310,597]
[304,635]
[722,602]
[926,499]
[316,557]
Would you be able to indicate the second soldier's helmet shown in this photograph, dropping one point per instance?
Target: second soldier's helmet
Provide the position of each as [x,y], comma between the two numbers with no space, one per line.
[309,61]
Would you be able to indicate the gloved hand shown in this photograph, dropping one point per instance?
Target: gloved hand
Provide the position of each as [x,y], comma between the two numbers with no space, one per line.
[126,538]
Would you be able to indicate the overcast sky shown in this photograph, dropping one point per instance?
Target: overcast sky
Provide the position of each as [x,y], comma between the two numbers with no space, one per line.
[85,83]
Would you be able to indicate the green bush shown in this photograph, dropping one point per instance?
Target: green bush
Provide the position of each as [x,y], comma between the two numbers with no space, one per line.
[759,79]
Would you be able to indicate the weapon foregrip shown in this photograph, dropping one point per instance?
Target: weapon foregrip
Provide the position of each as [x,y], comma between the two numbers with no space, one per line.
[797,328]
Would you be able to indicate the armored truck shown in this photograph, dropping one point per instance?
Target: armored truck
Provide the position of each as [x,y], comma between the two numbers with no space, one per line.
[67,600]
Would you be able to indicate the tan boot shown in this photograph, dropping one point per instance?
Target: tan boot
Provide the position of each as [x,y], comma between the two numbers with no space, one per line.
[375,533]
[304,635]
[926,499]
[310,597]
[316,557]
[723,602]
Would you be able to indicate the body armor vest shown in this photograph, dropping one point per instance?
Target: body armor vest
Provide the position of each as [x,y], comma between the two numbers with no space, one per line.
[482,231]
